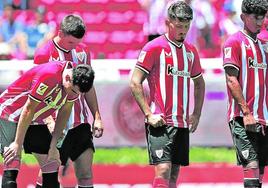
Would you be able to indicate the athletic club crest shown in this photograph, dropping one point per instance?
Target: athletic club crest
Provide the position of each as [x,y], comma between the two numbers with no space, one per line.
[159,153]
[245,153]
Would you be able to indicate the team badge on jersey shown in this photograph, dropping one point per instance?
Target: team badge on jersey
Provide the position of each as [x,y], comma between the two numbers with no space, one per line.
[245,153]
[142,56]
[227,52]
[41,89]
[159,153]
[81,56]
[190,56]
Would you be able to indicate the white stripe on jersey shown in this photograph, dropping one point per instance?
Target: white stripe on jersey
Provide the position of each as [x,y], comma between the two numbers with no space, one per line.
[74,56]
[185,82]
[162,74]
[244,71]
[11,100]
[15,114]
[265,112]
[82,118]
[257,81]
[61,54]
[175,85]
[70,122]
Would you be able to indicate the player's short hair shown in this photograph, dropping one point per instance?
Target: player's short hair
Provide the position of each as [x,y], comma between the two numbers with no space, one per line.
[258,7]
[73,25]
[83,77]
[180,10]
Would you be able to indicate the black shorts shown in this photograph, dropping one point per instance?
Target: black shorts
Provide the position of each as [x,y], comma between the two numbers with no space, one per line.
[76,141]
[250,146]
[37,139]
[168,144]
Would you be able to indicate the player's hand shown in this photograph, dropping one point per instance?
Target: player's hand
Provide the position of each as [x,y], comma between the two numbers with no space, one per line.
[97,128]
[11,152]
[250,123]
[53,154]
[155,120]
[193,121]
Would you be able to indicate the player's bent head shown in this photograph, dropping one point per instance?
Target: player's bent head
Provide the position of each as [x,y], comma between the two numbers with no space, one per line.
[83,77]
[180,10]
[73,25]
[257,7]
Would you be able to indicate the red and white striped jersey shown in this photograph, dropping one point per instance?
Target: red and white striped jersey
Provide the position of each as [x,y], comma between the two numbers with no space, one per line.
[41,83]
[53,52]
[249,56]
[169,68]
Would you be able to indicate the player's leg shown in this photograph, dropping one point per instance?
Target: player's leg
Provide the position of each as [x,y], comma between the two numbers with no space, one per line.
[7,135]
[37,141]
[263,154]
[81,153]
[160,142]
[180,154]
[83,169]
[246,146]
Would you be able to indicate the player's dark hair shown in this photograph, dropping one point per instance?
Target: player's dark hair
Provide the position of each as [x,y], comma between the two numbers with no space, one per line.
[73,25]
[181,11]
[83,77]
[258,7]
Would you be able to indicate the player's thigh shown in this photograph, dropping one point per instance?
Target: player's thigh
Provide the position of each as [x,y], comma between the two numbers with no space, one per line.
[83,164]
[180,148]
[244,142]
[7,133]
[160,143]
[37,139]
[41,158]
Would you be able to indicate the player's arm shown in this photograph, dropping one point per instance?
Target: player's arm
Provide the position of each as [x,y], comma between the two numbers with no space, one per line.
[236,91]
[92,102]
[199,93]
[61,121]
[27,114]
[137,90]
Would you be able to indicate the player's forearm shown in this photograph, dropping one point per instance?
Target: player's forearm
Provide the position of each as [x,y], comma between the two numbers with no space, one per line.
[61,122]
[236,91]
[199,94]
[138,93]
[23,124]
[92,102]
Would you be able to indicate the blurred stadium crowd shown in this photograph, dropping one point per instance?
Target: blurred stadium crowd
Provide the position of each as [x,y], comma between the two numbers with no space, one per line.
[114,30]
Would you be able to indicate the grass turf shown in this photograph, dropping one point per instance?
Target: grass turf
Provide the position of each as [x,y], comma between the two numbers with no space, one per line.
[136,155]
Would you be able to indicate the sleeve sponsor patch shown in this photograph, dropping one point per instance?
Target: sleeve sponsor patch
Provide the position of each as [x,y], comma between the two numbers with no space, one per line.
[227,52]
[142,56]
[41,89]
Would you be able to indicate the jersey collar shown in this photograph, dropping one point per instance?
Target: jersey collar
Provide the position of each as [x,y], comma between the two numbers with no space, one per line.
[179,46]
[60,48]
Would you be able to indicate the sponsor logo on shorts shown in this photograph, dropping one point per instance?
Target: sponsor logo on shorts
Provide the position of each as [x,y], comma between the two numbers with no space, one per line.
[159,153]
[245,153]
[41,89]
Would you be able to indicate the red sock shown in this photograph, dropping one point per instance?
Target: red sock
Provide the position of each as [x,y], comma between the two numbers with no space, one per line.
[160,183]
[172,185]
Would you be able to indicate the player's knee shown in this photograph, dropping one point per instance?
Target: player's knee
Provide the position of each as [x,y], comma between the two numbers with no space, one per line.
[50,180]
[9,179]
[251,176]
[163,170]
[50,167]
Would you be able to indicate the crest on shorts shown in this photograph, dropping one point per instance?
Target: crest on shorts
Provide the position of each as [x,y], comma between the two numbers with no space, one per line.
[245,153]
[159,153]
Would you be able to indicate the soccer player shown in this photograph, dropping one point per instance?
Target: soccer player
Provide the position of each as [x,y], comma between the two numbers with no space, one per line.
[78,143]
[245,64]
[169,63]
[37,94]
